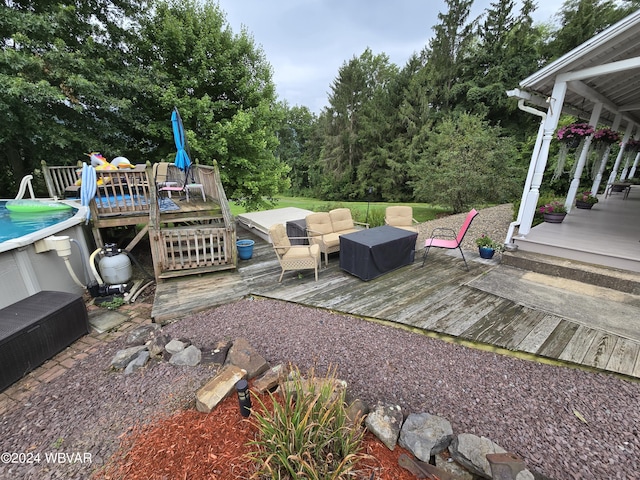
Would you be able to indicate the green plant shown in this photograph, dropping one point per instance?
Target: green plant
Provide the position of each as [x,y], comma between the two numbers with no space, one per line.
[485,241]
[554,206]
[586,197]
[307,434]
[113,304]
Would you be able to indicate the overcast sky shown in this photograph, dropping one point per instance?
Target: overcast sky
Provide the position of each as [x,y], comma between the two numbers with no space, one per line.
[307,41]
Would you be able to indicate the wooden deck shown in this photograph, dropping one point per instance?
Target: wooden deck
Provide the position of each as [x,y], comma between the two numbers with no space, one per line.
[440,299]
[188,236]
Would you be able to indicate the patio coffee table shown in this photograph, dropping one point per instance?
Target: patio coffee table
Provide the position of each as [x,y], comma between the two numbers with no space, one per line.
[369,253]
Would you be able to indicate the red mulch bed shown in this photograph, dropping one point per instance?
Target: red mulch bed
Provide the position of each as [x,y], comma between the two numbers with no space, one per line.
[213,446]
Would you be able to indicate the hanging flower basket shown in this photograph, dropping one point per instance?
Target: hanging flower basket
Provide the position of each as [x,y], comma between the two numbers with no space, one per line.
[574,132]
[632,146]
[606,136]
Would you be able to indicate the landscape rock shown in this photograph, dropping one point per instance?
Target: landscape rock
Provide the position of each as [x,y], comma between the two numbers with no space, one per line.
[471,451]
[243,355]
[216,355]
[122,357]
[156,345]
[448,465]
[190,356]
[216,389]
[270,379]
[138,362]
[175,346]
[385,421]
[143,334]
[356,411]
[425,435]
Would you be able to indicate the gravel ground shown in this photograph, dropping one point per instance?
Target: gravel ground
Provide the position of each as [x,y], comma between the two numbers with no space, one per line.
[534,410]
[492,222]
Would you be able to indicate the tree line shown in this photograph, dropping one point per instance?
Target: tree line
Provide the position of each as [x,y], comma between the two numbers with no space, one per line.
[103,75]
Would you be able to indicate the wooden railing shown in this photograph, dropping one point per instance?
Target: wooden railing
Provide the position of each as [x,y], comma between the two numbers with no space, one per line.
[123,191]
[207,243]
[59,179]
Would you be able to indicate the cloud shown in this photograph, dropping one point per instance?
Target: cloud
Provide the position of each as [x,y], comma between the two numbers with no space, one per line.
[307,41]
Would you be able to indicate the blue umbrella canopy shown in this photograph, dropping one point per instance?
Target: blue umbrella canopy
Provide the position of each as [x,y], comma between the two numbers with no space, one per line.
[182,157]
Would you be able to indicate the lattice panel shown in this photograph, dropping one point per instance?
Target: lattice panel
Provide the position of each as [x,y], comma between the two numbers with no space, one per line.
[190,248]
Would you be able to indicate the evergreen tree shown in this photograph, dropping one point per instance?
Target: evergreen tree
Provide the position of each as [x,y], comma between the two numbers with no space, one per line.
[580,20]
[447,50]
[359,81]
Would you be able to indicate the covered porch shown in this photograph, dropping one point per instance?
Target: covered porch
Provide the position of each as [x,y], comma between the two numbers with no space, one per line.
[607,235]
[598,82]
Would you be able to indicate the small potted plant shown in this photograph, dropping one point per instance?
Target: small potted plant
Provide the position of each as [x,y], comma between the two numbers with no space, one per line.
[553,212]
[487,247]
[585,200]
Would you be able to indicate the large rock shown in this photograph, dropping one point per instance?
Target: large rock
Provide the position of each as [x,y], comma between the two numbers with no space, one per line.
[215,356]
[425,435]
[190,356]
[471,451]
[175,346]
[356,412]
[143,334]
[216,389]
[156,345]
[384,421]
[122,357]
[138,362]
[270,379]
[243,355]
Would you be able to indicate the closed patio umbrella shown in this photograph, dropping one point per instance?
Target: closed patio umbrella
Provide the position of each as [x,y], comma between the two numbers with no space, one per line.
[183,162]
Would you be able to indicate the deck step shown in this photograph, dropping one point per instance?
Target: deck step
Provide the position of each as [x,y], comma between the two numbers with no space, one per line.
[613,278]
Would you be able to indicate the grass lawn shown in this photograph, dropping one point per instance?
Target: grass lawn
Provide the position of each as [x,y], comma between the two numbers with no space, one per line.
[372,212]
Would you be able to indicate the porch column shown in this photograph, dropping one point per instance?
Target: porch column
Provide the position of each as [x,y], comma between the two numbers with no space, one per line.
[603,162]
[616,165]
[627,159]
[530,200]
[632,173]
[575,183]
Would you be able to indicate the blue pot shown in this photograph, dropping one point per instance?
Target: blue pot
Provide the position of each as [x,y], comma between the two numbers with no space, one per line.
[245,249]
[486,252]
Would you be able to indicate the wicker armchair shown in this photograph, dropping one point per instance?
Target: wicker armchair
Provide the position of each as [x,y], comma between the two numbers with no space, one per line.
[293,257]
[401,216]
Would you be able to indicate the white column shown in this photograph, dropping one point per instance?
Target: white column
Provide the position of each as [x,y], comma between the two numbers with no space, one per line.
[625,170]
[616,165]
[551,122]
[632,173]
[603,163]
[575,182]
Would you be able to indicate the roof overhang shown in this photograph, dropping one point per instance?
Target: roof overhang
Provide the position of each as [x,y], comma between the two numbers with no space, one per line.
[605,69]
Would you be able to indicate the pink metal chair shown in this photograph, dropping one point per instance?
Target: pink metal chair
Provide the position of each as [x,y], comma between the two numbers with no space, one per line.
[447,238]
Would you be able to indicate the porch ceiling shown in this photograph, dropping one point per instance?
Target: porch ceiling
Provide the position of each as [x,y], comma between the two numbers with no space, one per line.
[605,69]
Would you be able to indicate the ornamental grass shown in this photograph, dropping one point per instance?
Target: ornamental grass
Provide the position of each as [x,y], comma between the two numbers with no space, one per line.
[307,434]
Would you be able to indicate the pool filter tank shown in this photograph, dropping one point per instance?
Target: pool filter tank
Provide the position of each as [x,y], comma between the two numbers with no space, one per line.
[115,266]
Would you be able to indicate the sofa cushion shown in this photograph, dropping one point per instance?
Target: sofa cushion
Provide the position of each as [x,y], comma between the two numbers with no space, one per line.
[318,223]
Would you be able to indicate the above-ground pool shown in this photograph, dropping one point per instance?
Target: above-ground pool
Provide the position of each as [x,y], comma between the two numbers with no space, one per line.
[23,271]
[14,225]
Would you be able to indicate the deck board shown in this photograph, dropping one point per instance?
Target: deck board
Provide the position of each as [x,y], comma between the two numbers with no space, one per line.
[439,298]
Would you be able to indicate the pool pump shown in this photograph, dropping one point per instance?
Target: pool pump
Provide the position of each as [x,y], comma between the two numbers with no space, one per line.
[115,271]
